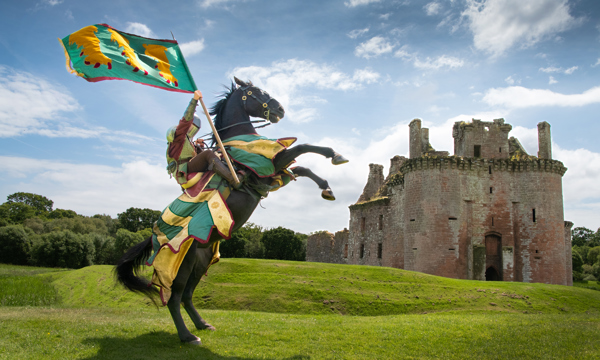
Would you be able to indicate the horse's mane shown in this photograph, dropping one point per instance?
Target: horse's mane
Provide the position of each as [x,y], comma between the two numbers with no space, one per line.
[218,108]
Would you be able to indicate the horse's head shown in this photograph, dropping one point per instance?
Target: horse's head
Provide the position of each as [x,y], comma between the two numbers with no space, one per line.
[258,103]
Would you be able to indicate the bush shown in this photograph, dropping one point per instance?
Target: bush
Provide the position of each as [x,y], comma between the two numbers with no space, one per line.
[577,276]
[15,245]
[63,249]
[126,239]
[589,278]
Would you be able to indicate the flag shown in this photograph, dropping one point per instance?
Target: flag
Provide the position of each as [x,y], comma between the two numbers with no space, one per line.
[100,52]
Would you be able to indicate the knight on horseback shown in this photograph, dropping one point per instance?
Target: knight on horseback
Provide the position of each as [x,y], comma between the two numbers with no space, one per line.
[185,157]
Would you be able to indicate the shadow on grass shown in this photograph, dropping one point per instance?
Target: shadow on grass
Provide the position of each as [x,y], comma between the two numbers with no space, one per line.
[157,345]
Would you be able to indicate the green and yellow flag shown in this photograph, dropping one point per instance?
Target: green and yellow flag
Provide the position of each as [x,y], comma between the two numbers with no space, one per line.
[100,52]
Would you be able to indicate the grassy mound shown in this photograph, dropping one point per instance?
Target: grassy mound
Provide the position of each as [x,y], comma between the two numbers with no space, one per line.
[317,288]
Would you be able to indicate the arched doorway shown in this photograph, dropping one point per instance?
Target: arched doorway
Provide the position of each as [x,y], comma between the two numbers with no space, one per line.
[493,257]
[491,274]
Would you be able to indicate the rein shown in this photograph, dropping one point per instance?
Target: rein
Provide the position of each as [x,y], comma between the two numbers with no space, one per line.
[241,123]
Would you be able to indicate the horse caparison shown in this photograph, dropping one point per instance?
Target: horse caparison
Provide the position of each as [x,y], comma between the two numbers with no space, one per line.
[235,107]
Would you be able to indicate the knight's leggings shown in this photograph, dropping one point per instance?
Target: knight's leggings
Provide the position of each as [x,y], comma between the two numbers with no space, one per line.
[200,162]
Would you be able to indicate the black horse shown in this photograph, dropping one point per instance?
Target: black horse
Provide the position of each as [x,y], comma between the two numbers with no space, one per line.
[232,118]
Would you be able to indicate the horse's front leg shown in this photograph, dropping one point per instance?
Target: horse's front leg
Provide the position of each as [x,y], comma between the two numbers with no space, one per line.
[286,157]
[327,194]
[204,257]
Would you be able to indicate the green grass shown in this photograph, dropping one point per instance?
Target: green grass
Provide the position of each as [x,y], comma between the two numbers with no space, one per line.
[315,288]
[34,333]
[300,311]
[587,285]
[22,286]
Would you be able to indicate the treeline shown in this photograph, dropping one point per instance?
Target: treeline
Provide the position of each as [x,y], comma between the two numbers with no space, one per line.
[586,254]
[33,233]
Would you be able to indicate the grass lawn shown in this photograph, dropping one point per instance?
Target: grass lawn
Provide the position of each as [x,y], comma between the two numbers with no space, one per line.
[297,310]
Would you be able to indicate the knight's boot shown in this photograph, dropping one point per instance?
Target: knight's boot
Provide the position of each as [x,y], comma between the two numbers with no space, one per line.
[223,170]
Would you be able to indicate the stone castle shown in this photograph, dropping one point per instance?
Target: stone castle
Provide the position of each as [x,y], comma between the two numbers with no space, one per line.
[489,212]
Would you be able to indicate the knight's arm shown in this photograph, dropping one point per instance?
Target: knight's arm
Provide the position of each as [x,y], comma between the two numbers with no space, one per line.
[183,127]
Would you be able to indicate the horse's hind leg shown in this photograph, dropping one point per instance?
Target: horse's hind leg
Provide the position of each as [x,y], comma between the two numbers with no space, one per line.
[188,292]
[177,288]
[327,194]
[285,157]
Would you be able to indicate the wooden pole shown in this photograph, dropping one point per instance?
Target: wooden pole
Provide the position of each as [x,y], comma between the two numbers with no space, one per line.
[212,126]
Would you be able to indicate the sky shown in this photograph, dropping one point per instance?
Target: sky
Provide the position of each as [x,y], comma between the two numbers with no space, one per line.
[351,75]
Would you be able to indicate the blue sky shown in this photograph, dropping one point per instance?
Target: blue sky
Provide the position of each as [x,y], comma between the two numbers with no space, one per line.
[351,74]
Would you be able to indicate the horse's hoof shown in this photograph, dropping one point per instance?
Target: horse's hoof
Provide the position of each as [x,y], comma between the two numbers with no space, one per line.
[338,159]
[327,194]
[196,341]
[208,327]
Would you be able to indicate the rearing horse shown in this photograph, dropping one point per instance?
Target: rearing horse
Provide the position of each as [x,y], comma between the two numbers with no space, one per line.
[232,118]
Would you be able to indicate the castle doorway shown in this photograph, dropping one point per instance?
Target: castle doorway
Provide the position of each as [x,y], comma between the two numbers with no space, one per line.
[493,257]
[491,274]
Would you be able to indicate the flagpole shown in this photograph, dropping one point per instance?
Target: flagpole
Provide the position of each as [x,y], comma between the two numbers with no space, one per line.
[216,133]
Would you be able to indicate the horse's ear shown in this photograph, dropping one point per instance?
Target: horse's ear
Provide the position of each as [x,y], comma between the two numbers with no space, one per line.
[240,82]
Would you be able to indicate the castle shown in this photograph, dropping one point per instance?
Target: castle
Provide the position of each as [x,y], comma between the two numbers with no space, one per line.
[489,212]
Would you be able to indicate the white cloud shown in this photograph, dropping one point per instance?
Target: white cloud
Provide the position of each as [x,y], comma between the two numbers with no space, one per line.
[385,16]
[509,80]
[192,48]
[53,2]
[91,188]
[139,29]
[498,25]
[597,63]
[438,63]
[209,3]
[355,3]
[433,8]
[552,80]
[366,76]
[520,97]
[285,79]
[374,47]
[552,69]
[357,32]
[29,104]
[570,70]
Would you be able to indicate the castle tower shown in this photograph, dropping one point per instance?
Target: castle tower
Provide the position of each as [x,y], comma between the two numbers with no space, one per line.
[544,141]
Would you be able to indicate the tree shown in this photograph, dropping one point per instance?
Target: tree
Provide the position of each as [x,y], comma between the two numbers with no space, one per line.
[16,212]
[135,219]
[124,240]
[593,255]
[104,249]
[283,244]
[41,204]
[235,247]
[61,213]
[582,236]
[577,262]
[15,245]
[63,249]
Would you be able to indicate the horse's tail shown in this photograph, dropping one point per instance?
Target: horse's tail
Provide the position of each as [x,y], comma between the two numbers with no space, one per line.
[129,266]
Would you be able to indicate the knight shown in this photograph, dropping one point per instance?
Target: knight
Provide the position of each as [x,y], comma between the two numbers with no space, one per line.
[187,157]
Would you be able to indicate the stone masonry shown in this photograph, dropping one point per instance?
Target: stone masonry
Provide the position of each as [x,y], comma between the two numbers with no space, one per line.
[489,212]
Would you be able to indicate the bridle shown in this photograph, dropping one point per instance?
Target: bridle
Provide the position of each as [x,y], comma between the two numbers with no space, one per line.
[265,105]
